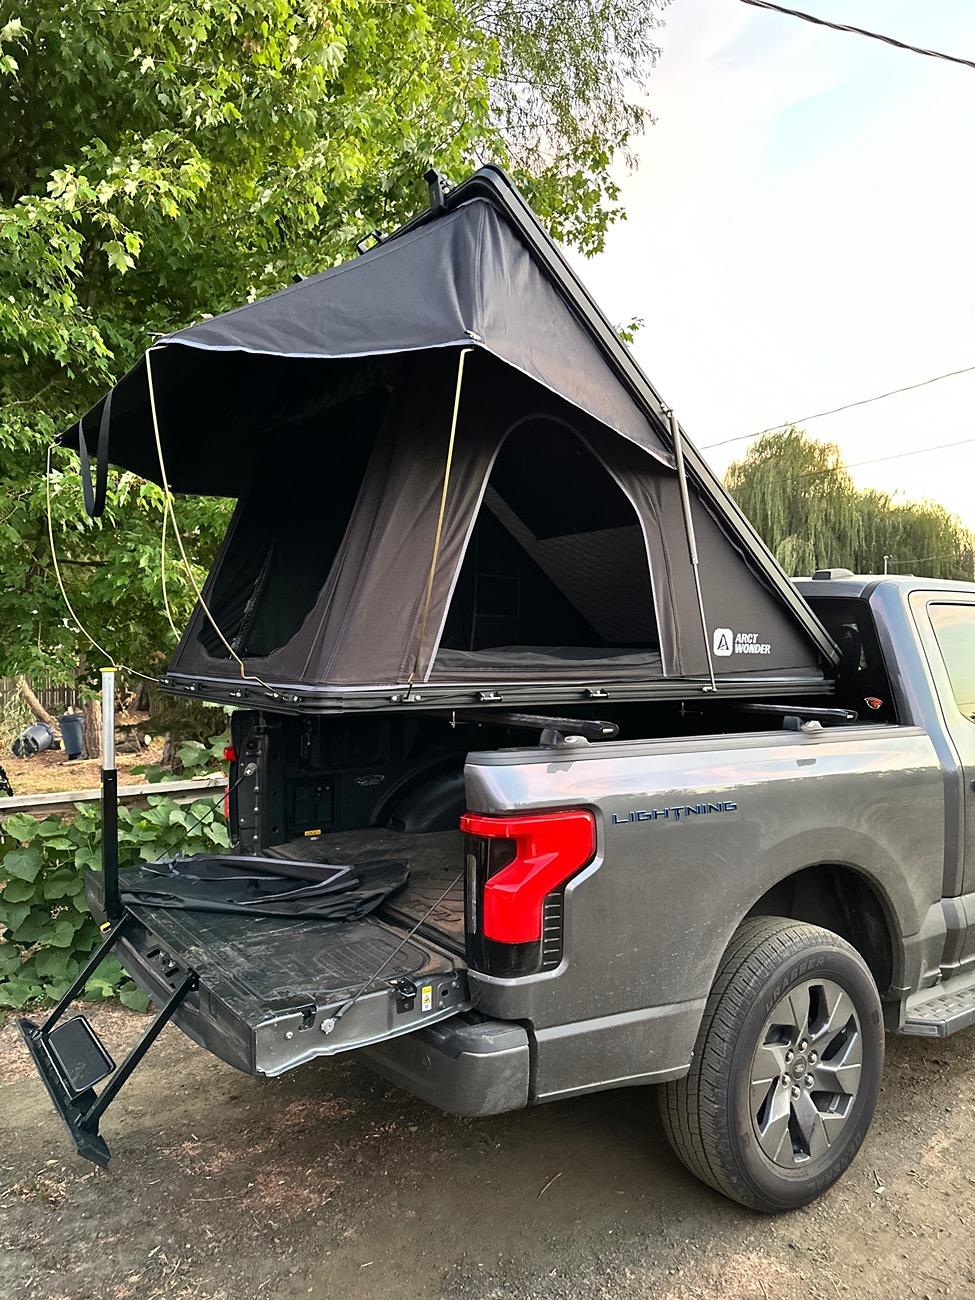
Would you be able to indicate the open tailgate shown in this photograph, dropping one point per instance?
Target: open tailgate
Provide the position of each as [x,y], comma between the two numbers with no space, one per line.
[264,993]
[274,992]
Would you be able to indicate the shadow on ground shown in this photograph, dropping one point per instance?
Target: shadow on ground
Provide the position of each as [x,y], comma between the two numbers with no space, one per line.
[330,1183]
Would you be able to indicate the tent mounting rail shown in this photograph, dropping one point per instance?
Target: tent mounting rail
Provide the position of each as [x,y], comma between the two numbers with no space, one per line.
[556,732]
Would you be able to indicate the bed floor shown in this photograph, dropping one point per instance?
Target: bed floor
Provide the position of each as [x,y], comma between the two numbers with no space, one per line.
[436,862]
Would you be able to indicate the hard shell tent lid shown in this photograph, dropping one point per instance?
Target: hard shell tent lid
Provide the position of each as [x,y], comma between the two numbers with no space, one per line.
[542,548]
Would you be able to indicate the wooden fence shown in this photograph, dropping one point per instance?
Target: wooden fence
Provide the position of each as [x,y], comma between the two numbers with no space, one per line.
[56,699]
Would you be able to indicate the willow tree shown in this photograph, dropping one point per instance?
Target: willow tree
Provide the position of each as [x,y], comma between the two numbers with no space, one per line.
[164,159]
[811,514]
[803,503]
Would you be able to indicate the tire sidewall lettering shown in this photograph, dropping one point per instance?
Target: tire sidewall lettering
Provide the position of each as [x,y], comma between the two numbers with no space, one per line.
[793,976]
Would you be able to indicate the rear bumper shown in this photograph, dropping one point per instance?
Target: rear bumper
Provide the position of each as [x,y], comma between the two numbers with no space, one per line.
[465,1065]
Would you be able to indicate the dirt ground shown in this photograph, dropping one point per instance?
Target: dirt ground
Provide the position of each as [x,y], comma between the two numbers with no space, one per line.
[330,1183]
[50,772]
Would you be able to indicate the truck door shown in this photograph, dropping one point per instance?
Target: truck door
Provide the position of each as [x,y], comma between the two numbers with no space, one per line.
[950,642]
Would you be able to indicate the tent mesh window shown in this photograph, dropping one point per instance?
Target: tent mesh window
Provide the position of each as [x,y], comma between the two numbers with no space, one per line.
[556,564]
[286,532]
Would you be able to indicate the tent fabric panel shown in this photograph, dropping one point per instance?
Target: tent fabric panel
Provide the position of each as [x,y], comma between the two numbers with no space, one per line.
[380,589]
[279,524]
[412,293]
[362,628]
[656,499]
[734,596]
[765,637]
[524,320]
[535,663]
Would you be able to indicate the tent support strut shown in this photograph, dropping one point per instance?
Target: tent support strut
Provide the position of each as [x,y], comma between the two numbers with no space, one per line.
[428,596]
[685,501]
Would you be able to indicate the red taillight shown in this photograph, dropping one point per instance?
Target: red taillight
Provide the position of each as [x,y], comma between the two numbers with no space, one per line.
[229,756]
[548,849]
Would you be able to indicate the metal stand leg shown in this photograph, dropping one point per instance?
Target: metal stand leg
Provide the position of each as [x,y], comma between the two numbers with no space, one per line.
[120,1077]
[82,1111]
[86,972]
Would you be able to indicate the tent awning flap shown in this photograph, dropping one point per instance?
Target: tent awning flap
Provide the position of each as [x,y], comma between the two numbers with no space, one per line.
[465,280]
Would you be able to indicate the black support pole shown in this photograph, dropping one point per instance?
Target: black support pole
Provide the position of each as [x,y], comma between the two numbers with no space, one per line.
[110,891]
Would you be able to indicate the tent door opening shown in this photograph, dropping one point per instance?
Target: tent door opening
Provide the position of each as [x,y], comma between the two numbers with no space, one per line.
[287,530]
[556,572]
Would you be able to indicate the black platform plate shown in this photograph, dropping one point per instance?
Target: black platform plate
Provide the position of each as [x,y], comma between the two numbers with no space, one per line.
[72,1110]
[79,1055]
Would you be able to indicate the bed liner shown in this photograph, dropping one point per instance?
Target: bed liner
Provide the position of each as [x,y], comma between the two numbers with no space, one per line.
[435,859]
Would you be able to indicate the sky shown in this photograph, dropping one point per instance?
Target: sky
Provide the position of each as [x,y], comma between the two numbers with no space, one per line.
[801,233]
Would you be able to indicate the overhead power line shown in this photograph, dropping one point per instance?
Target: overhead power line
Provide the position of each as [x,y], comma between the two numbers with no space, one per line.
[847,406]
[918,559]
[859,31]
[875,460]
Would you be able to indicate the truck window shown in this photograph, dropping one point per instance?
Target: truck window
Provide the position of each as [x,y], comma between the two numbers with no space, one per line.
[862,672]
[954,630]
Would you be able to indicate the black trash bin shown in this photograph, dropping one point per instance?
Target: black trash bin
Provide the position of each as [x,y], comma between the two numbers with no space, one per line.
[33,740]
[72,734]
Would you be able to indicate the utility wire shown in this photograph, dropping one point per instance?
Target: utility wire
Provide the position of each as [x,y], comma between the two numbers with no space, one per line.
[858,31]
[875,460]
[920,559]
[847,406]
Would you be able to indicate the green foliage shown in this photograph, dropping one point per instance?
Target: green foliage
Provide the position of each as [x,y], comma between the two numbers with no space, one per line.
[193,758]
[47,931]
[165,159]
[812,515]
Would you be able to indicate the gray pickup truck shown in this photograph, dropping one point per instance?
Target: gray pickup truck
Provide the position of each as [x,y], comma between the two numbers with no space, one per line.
[735,914]
[734,905]
[732,845]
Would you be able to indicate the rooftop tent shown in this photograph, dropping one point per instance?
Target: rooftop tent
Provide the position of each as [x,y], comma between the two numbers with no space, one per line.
[444,478]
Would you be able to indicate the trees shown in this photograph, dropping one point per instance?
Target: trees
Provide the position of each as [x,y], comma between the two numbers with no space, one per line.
[164,159]
[811,514]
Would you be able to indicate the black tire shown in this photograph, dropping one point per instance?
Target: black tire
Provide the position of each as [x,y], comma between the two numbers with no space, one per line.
[709,1115]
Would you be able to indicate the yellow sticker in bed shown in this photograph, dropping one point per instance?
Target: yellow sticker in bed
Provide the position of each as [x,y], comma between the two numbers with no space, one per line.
[426,997]
[313,835]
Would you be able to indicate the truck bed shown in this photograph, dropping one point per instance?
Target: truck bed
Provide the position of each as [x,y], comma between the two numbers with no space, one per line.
[435,859]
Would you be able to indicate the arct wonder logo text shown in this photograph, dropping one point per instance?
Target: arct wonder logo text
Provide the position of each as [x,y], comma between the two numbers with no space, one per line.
[726,642]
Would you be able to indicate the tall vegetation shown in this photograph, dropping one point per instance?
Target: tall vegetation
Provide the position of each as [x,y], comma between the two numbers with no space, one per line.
[812,515]
[164,159]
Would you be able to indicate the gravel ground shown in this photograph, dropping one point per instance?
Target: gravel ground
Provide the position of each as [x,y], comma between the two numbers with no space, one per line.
[52,772]
[330,1183]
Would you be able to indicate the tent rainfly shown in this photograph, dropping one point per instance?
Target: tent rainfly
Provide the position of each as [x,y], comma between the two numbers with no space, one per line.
[453,486]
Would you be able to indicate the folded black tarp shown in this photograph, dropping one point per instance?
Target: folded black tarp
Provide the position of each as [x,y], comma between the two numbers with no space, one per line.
[264,886]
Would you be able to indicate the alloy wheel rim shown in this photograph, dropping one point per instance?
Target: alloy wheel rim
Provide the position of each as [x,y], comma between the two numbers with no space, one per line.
[805,1073]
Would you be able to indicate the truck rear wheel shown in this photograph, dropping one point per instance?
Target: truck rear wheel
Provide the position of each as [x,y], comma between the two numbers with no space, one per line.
[786,1067]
